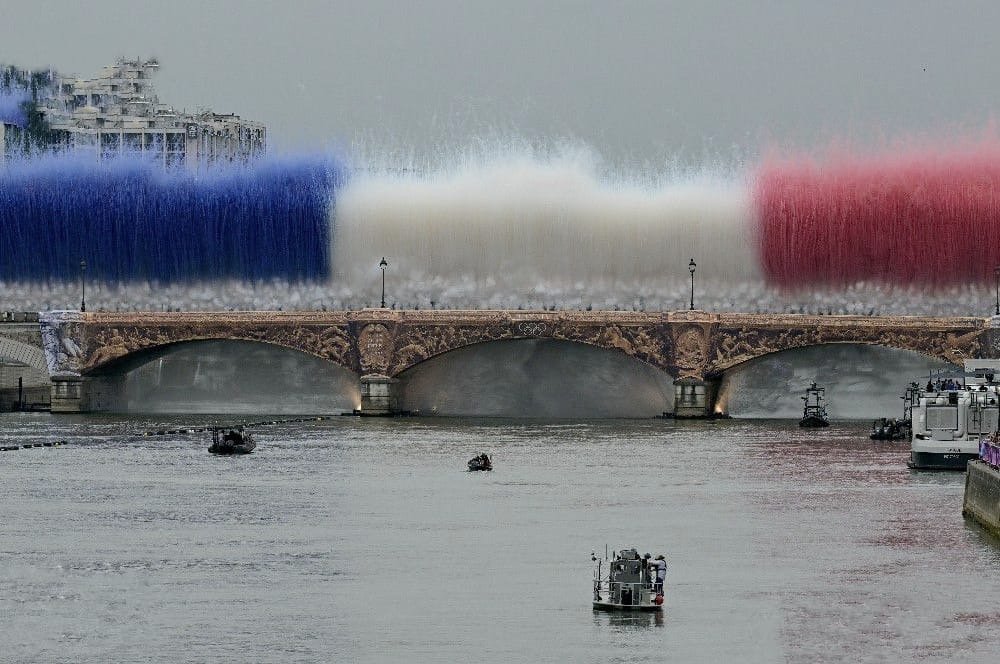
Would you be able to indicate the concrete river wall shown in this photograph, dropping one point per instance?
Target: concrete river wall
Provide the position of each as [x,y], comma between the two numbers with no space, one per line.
[982,496]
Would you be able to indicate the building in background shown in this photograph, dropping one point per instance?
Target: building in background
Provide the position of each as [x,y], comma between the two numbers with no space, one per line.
[118,114]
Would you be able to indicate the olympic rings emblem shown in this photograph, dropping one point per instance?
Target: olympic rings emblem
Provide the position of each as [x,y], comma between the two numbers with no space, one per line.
[531,328]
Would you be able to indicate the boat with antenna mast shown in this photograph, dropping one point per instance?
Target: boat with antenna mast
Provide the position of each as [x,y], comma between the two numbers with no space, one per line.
[814,408]
[890,428]
[628,582]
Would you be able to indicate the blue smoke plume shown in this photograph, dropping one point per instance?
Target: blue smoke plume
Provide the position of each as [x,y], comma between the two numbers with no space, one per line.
[134,221]
[11,109]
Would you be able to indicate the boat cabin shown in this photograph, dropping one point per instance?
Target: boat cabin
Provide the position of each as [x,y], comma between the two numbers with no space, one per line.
[628,583]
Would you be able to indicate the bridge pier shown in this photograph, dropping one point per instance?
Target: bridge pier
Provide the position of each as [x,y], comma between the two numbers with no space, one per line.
[66,394]
[86,394]
[695,398]
[379,396]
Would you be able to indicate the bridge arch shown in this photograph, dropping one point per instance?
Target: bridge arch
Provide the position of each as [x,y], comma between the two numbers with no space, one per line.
[223,375]
[954,358]
[379,344]
[107,363]
[536,377]
[862,380]
[113,347]
[735,346]
[643,342]
[27,354]
[412,355]
[24,374]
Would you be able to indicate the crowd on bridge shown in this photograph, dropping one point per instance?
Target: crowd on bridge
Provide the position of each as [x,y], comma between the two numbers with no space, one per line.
[750,297]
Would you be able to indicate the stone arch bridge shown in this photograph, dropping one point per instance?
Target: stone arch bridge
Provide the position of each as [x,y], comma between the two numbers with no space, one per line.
[88,352]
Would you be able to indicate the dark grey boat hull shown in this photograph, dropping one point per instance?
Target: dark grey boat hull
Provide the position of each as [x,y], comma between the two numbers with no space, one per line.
[940,461]
[608,606]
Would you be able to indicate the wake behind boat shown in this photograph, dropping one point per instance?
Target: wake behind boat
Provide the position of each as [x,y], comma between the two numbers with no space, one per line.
[231,441]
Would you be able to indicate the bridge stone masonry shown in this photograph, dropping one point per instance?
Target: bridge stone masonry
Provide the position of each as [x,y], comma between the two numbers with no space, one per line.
[24,375]
[89,353]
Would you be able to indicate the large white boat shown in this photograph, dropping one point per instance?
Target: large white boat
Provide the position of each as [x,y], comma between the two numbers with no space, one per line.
[952,414]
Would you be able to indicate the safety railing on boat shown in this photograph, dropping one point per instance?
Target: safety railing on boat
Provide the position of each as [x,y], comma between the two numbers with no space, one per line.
[605,590]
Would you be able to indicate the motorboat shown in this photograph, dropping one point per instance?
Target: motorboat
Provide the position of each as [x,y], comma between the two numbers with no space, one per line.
[889,428]
[629,582]
[813,409]
[235,440]
[481,462]
[952,415]
[898,429]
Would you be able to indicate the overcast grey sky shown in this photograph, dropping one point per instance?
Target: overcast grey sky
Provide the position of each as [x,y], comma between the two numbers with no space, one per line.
[632,79]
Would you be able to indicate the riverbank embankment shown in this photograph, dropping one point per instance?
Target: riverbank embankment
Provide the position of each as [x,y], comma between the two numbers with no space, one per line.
[982,496]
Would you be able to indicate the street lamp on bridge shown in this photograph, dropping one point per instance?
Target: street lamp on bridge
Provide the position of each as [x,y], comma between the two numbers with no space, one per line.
[83,285]
[383,264]
[691,267]
[996,274]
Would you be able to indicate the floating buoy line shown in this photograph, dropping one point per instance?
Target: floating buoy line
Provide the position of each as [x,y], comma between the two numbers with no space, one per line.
[11,448]
[166,432]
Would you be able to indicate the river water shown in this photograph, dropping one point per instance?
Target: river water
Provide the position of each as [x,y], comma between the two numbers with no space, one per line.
[364,540]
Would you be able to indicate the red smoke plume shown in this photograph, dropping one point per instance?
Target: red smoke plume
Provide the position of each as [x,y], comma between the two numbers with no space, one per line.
[917,217]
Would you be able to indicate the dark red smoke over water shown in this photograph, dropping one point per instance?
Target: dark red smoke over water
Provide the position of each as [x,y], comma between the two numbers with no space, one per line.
[920,217]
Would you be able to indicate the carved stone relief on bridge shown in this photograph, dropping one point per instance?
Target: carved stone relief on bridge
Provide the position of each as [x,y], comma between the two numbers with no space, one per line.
[696,346]
[107,344]
[374,348]
[60,333]
[533,328]
[424,341]
[644,342]
[691,350]
[733,346]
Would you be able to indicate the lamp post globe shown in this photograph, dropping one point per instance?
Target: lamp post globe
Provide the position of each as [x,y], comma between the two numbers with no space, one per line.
[691,266]
[83,285]
[383,264]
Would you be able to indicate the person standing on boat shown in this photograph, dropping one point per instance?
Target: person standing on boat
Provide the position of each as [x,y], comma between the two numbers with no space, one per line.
[660,565]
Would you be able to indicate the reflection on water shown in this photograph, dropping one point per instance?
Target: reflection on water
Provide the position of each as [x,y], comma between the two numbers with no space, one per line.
[366,540]
[625,620]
